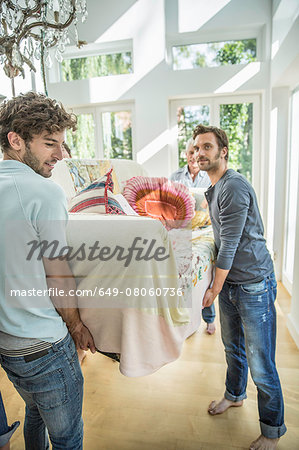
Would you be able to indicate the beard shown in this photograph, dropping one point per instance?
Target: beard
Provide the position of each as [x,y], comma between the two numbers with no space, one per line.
[210,165]
[33,162]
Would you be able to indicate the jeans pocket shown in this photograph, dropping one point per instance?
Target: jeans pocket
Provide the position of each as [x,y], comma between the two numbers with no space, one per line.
[48,390]
[258,288]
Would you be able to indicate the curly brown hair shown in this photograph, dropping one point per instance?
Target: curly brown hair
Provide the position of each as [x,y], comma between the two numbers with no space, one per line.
[30,114]
[220,135]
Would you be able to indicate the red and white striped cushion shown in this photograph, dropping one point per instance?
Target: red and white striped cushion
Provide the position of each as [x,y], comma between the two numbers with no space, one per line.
[98,198]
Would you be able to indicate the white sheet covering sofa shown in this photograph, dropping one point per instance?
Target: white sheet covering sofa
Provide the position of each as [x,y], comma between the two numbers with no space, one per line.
[137,309]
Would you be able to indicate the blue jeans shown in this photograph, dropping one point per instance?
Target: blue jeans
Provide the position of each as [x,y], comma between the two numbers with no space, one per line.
[248,330]
[209,313]
[52,388]
[5,431]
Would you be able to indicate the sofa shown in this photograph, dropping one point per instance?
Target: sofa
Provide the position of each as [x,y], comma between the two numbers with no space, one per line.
[144,309]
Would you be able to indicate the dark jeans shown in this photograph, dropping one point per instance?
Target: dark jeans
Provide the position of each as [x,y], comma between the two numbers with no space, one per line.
[52,388]
[248,329]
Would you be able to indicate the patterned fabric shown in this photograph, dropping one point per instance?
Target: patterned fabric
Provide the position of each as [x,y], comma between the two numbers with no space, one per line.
[87,171]
[160,199]
[98,198]
[195,253]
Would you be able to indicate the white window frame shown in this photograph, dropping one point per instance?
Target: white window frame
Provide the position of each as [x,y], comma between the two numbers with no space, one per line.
[214,102]
[97,111]
[94,49]
[228,35]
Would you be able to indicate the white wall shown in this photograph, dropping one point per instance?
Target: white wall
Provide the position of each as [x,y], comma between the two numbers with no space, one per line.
[154,83]
[284,78]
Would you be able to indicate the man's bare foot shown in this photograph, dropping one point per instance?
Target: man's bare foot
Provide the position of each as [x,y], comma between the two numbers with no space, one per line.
[263,443]
[223,405]
[211,328]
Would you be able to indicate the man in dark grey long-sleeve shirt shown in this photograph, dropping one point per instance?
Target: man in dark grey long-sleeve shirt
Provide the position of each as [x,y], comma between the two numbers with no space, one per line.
[245,282]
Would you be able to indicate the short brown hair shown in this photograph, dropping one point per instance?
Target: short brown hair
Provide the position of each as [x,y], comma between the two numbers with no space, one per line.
[220,135]
[30,114]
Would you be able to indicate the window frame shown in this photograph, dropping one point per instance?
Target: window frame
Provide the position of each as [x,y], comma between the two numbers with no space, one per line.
[93,49]
[214,102]
[97,111]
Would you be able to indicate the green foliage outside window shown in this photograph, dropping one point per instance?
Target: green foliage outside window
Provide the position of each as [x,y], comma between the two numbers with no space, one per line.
[213,54]
[236,121]
[187,118]
[96,66]
[117,131]
[82,142]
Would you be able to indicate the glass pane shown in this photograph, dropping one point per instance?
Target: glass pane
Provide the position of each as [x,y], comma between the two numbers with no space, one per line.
[82,142]
[117,134]
[213,54]
[96,66]
[236,121]
[188,117]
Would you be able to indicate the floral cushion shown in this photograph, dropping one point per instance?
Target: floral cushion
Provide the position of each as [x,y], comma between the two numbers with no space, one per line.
[98,198]
[161,199]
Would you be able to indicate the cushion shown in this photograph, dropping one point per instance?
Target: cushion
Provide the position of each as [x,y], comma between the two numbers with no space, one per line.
[86,171]
[161,199]
[98,198]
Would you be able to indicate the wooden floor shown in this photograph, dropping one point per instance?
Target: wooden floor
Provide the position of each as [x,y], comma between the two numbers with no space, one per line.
[167,410]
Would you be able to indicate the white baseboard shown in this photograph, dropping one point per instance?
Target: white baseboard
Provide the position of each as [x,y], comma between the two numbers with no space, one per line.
[293,329]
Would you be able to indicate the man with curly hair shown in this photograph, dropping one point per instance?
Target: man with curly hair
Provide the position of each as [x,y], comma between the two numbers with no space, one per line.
[39,321]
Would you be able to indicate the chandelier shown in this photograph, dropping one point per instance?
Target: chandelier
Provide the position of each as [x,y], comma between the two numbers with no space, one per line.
[29,28]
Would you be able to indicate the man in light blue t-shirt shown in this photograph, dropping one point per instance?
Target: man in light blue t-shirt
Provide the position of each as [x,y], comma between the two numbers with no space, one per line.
[192,177]
[39,320]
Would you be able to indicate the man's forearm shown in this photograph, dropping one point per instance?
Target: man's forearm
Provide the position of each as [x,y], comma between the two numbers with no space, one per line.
[211,293]
[220,277]
[67,304]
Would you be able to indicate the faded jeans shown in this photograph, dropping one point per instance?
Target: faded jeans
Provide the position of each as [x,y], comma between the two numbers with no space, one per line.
[248,330]
[52,388]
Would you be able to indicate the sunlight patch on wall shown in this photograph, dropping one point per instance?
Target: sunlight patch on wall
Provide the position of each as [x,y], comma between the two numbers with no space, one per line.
[154,147]
[240,78]
[193,14]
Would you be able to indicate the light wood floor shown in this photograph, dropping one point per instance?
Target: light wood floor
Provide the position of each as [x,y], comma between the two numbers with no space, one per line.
[167,410]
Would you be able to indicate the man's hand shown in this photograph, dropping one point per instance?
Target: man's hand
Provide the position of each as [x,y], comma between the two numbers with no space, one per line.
[209,297]
[211,293]
[82,337]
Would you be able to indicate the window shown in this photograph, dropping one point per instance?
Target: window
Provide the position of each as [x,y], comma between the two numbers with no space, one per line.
[104,131]
[237,115]
[236,120]
[96,66]
[187,119]
[82,142]
[117,134]
[213,54]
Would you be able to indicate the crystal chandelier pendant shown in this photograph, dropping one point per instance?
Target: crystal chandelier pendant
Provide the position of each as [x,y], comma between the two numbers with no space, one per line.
[28,28]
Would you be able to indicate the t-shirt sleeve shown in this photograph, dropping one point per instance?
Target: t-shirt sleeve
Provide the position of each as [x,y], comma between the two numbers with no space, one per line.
[51,221]
[234,202]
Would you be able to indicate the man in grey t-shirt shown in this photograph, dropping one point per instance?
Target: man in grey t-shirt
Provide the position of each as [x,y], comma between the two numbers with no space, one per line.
[245,282]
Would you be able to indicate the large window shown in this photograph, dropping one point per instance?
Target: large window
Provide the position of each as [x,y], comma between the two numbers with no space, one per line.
[213,54]
[103,132]
[82,142]
[238,116]
[96,66]
[187,119]
[117,134]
